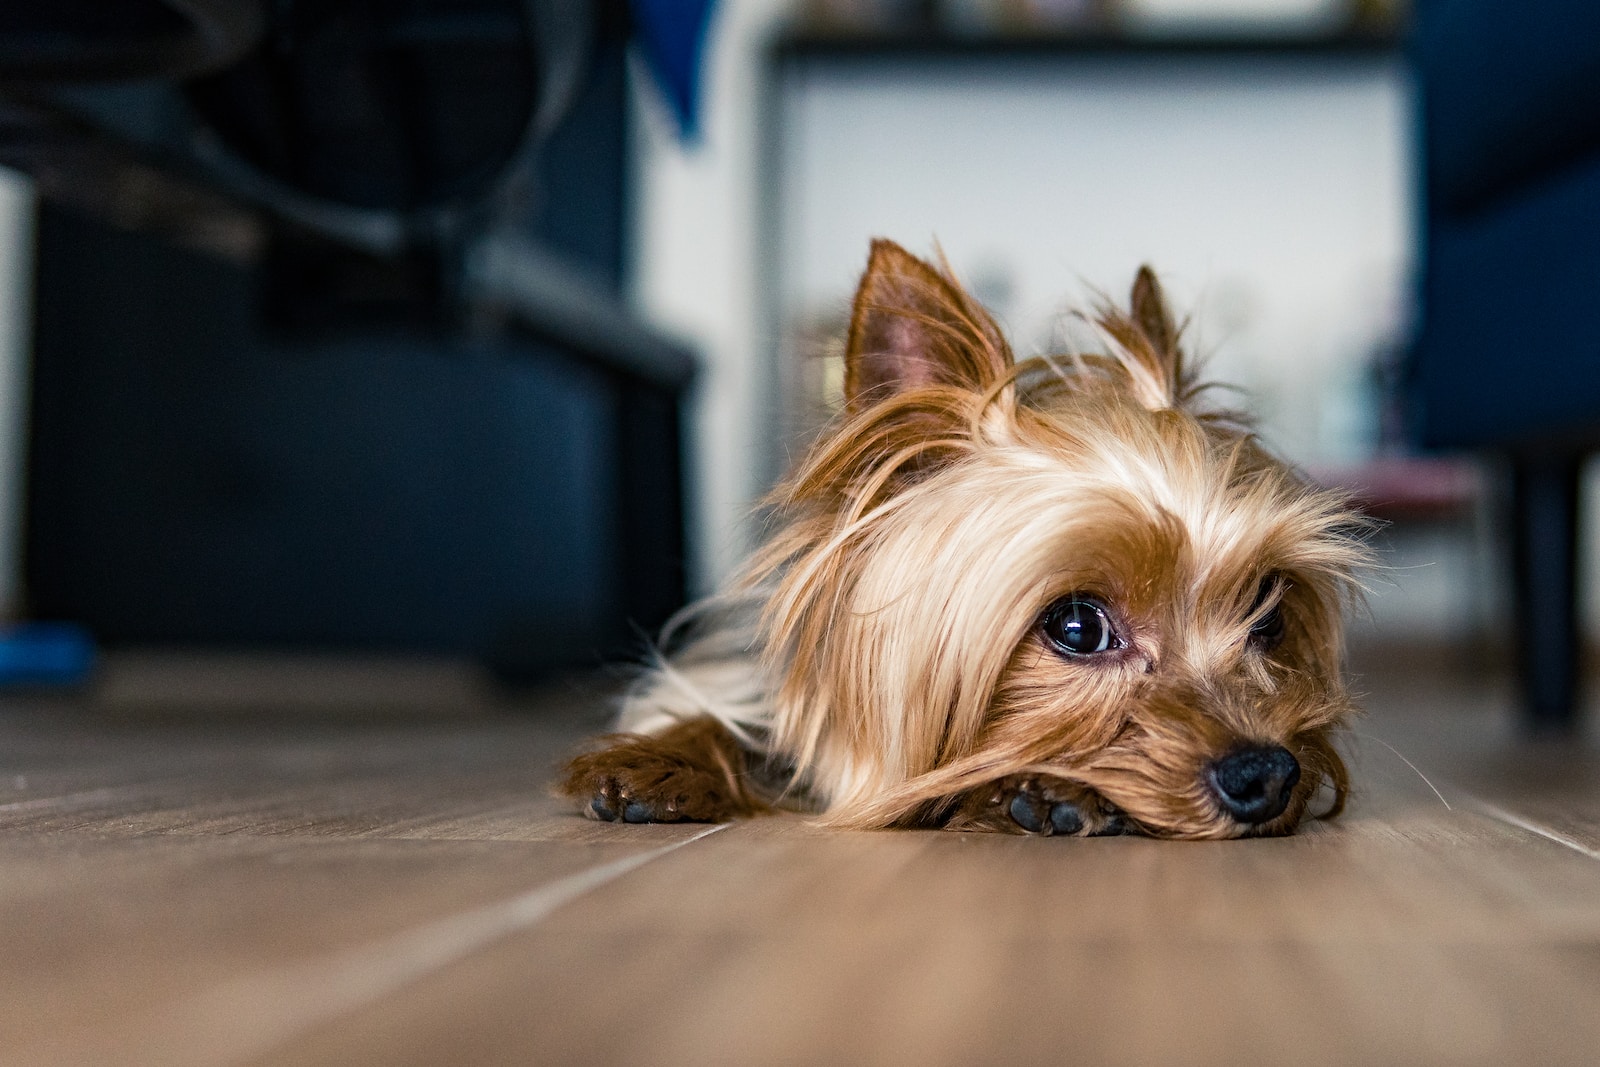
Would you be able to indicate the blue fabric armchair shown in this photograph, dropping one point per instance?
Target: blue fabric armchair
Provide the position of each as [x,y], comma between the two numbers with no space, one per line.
[1507,359]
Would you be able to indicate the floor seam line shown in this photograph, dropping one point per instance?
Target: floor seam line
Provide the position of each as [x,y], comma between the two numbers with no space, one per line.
[66,801]
[1513,819]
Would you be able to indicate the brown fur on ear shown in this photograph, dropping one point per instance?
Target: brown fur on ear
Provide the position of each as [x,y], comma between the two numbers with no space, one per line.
[1147,345]
[912,326]
[1150,313]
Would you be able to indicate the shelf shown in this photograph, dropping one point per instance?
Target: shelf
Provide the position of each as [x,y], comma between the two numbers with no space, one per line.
[845,45]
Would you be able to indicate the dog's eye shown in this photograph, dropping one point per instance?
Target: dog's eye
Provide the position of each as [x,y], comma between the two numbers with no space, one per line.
[1078,625]
[1267,631]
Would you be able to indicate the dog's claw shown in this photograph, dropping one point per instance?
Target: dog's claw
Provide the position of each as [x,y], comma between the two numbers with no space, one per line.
[637,812]
[602,810]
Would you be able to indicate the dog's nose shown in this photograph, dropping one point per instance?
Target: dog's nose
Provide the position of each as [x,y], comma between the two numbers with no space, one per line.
[1254,784]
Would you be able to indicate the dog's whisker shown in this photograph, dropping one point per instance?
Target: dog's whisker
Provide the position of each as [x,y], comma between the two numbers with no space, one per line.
[1373,737]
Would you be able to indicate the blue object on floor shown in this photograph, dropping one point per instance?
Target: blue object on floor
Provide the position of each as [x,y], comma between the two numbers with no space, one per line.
[45,653]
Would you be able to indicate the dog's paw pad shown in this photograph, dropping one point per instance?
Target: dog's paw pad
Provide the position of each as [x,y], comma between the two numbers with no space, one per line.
[617,800]
[1049,807]
[1034,813]
[1028,813]
[614,804]
[1066,819]
[639,812]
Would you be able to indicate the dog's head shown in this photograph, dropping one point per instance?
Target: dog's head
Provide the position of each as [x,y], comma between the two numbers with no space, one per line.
[1070,566]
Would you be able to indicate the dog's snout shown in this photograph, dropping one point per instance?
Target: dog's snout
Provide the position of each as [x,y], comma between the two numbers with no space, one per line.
[1254,784]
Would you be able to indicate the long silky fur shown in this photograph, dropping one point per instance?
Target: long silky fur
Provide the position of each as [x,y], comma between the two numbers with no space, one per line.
[882,646]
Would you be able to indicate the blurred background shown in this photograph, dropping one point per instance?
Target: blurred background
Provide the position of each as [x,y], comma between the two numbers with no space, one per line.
[475,329]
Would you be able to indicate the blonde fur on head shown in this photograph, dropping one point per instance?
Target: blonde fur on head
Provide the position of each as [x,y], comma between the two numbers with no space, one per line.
[894,654]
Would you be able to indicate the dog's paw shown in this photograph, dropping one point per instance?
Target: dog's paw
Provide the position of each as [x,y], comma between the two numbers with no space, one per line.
[653,793]
[685,775]
[1036,804]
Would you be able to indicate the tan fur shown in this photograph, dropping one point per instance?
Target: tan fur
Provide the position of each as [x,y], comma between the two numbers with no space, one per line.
[884,646]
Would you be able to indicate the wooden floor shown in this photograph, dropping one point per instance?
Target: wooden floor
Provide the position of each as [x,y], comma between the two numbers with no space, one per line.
[362,868]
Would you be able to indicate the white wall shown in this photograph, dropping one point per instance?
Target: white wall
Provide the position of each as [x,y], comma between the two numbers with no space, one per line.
[695,273]
[1272,196]
[1272,199]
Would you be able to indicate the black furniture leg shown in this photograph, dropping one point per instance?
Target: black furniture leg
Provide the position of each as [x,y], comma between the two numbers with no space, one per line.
[650,507]
[1544,548]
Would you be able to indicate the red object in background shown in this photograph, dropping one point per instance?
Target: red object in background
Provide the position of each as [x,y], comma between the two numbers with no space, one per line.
[1408,487]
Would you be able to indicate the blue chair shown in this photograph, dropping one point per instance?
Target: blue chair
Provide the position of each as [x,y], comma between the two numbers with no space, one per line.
[1507,360]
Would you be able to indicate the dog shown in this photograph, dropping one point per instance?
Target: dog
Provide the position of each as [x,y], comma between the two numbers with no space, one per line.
[1067,596]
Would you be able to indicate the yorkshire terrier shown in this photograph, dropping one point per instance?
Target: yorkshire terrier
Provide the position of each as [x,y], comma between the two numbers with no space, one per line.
[1064,596]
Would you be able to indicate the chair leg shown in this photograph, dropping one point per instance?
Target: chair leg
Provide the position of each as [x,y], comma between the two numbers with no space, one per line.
[1544,546]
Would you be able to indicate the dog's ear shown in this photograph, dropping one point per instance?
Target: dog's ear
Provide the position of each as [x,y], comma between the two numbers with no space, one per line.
[1148,345]
[1150,313]
[913,326]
